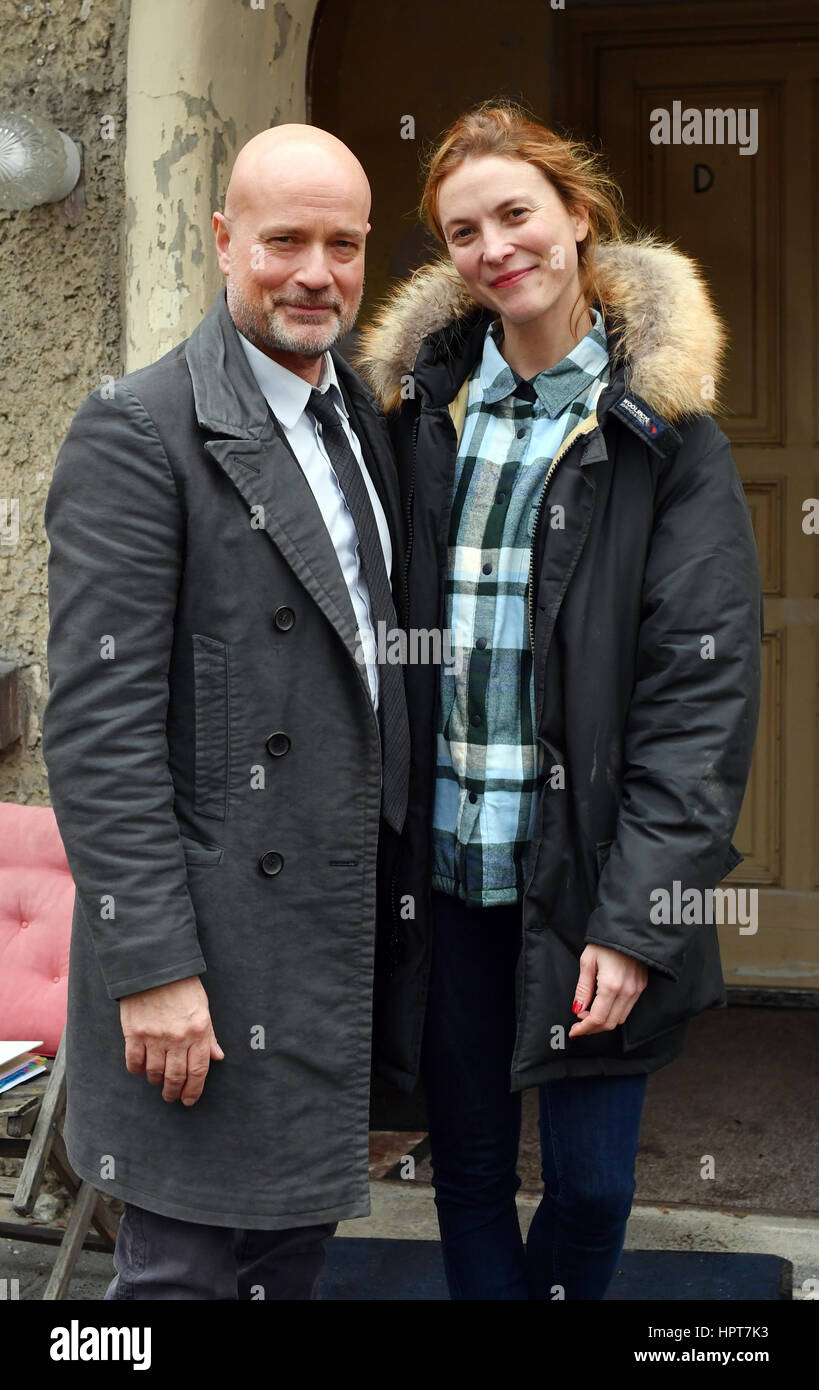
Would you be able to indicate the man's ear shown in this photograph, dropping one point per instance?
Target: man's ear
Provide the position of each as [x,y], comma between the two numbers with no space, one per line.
[222,235]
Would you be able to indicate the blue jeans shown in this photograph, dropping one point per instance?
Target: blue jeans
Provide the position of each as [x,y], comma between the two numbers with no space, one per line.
[589,1129]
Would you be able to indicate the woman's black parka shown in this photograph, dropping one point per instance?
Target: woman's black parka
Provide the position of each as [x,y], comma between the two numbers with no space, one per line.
[647,616]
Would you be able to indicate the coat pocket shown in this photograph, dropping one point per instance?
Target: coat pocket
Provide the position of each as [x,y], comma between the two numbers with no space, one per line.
[665,1003]
[210,678]
[197,852]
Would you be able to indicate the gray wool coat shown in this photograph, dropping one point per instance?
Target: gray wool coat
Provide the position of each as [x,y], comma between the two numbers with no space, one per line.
[214,764]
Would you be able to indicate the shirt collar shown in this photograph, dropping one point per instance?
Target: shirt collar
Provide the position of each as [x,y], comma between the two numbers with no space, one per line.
[557,386]
[286,393]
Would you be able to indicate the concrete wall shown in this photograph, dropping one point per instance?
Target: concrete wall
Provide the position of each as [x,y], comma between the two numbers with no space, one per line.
[60,288]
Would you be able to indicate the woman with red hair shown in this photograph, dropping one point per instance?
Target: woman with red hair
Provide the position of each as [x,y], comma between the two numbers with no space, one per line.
[579,533]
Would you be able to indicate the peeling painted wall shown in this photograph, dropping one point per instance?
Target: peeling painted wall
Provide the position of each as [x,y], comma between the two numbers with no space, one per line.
[61,292]
[190,109]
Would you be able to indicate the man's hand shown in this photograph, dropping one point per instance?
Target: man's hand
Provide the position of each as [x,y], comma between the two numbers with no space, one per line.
[620,981]
[169,1036]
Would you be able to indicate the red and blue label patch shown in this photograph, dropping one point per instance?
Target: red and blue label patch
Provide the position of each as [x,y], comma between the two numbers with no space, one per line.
[638,415]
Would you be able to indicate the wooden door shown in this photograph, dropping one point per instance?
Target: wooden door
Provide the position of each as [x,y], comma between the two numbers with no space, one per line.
[752,221]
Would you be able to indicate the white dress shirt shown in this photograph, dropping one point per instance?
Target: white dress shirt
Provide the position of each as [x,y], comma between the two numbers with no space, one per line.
[287,395]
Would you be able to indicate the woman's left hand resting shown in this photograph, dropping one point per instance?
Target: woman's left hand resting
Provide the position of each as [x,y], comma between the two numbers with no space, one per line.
[620,981]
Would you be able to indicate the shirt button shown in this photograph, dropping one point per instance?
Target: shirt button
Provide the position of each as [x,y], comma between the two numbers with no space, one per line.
[24,924]
[487,569]
[481,643]
[271,863]
[56,979]
[473,796]
[501,497]
[284,619]
[521,434]
[476,720]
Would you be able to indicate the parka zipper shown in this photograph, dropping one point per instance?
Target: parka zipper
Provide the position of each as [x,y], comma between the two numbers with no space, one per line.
[584,427]
[410,493]
[394,944]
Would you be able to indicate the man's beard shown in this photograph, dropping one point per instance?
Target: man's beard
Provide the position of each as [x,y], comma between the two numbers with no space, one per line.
[267,332]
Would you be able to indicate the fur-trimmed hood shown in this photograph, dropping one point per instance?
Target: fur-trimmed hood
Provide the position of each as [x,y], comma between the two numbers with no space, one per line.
[660,321]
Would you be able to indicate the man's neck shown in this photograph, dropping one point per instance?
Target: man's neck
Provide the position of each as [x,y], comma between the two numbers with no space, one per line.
[308,368]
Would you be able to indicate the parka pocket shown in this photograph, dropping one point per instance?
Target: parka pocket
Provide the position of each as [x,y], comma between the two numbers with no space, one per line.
[210,678]
[665,1003]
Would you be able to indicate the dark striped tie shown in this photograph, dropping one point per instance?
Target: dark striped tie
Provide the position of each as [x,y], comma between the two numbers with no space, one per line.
[392,706]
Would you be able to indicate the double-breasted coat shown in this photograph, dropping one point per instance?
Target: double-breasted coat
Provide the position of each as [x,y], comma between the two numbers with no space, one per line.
[215,768]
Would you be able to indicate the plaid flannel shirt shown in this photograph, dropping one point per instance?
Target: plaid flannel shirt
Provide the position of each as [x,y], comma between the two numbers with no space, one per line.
[487,763]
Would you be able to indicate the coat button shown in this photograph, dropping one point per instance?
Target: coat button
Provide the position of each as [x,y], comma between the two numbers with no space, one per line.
[278,744]
[271,863]
[284,619]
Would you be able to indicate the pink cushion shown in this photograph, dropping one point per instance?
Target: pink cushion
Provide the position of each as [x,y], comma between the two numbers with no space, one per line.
[36,904]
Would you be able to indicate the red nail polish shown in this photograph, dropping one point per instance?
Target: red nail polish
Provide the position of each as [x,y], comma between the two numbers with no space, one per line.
[577,1007]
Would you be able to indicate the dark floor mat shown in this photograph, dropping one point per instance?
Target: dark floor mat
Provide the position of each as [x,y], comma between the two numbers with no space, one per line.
[379,1270]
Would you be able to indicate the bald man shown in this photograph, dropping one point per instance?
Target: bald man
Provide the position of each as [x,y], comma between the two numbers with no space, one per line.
[228,753]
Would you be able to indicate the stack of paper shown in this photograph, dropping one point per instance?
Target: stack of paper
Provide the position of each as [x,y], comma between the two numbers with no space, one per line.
[18,1062]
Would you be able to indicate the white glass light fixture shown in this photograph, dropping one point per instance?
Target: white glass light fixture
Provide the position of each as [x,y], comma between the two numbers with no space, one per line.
[38,163]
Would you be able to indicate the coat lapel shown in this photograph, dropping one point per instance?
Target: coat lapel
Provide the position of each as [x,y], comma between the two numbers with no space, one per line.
[270,480]
[242,437]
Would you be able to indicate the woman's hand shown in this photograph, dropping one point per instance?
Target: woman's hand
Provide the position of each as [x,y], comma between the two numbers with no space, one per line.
[620,981]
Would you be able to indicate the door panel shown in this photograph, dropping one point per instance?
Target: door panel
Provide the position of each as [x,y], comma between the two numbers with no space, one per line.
[752,222]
